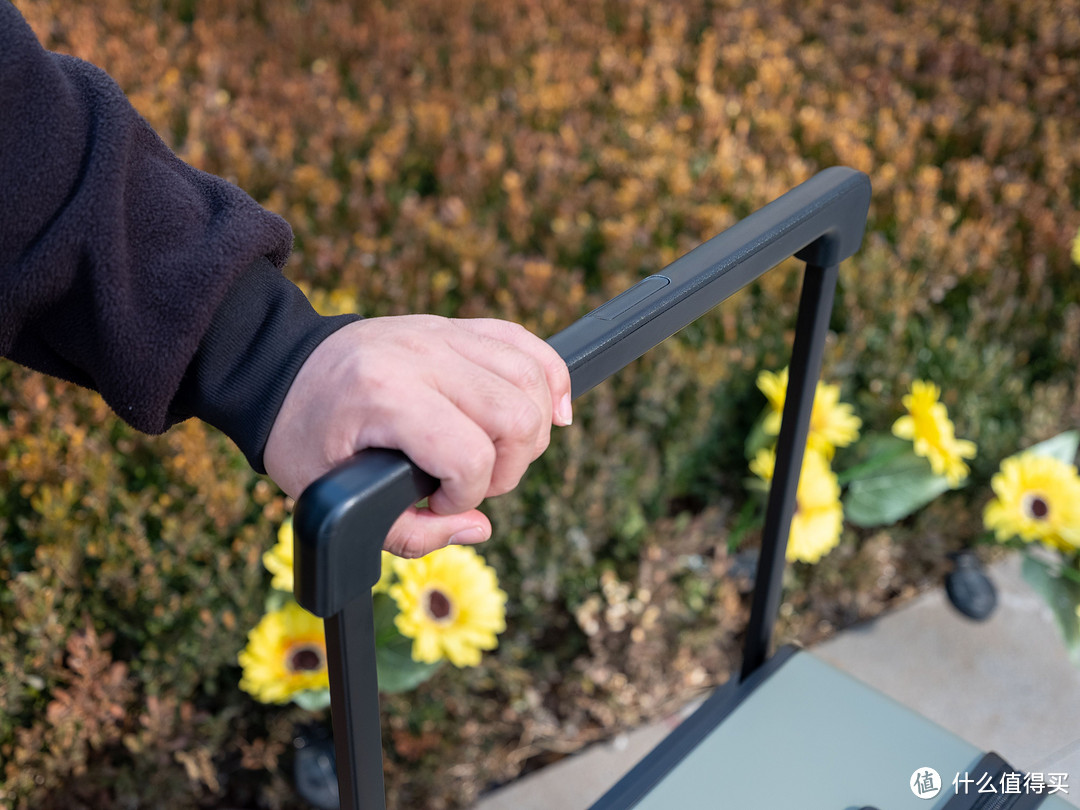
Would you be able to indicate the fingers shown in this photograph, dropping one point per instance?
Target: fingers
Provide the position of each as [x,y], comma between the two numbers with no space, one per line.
[554,367]
[471,402]
[477,435]
[419,531]
[505,392]
[485,413]
[440,438]
[527,410]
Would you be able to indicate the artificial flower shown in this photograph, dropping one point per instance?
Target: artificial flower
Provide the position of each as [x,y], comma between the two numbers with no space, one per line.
[285,655]
[927,424]
[279,559]
[1037,499]
[279,562]
[819,515]
[386,575]
[449,604]
[832,423]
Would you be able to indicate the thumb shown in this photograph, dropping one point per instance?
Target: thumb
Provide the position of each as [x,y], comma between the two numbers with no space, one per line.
[420,531]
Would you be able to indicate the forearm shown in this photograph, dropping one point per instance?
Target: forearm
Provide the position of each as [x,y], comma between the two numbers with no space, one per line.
[116,258]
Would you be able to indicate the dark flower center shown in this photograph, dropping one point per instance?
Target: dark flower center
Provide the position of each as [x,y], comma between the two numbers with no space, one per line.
[305,659]
[1037,507]
[438,605]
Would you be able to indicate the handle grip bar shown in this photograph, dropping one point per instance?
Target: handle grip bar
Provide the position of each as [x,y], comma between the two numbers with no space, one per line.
[341,520]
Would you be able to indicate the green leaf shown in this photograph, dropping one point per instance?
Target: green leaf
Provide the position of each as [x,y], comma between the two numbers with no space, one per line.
[892,491]
[1062,595]
[757,439]
[397,670]
[1062,447]
[394,664]
[886,445]
[276,600]
[875,451]
[313,700]
[384,611]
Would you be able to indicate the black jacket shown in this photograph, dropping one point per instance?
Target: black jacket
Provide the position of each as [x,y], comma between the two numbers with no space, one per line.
[127,271]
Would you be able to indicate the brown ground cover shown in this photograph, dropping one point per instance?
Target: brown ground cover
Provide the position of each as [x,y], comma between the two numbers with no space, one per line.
[527,160]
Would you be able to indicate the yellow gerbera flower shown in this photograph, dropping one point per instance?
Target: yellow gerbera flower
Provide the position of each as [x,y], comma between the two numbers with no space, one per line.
[279,559]
[386,575]
[1076,249]
[1038,498]
[927,425]
[449,604]
[279,562]
[285,655]
[832,423]
[819,516]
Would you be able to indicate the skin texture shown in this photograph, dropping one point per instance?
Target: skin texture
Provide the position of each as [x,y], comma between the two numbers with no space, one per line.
[471,402]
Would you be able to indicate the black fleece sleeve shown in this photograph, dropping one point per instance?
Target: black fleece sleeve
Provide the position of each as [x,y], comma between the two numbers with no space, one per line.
[262,332]
[127,271]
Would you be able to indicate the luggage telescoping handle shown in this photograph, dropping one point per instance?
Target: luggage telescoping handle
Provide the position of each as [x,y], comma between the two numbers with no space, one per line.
[342,519]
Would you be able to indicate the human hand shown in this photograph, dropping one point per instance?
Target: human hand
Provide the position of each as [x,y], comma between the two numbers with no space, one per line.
[471,402]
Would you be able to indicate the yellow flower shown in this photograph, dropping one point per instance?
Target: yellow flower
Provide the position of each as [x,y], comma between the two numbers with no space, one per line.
[387,574]
[279,562]
[285,655]
[449,604]
[279,559]
[832,423]
[819,516]
[1038,498]
[1076,249]
[927,425]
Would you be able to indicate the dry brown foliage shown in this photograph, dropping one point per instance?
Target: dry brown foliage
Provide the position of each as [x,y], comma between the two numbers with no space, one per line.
[527,160]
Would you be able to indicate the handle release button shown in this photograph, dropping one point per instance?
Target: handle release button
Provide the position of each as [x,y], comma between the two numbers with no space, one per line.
[632,297]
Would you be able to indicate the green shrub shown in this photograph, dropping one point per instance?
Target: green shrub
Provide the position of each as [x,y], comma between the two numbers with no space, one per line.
[528,160]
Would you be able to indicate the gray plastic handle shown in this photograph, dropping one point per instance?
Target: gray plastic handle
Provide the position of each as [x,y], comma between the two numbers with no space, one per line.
[342,519]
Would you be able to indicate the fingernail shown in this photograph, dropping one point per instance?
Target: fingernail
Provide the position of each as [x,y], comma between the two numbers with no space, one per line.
[564,413]
[468,537]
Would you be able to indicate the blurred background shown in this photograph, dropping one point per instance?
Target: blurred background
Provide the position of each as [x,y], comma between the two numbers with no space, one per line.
[528,159]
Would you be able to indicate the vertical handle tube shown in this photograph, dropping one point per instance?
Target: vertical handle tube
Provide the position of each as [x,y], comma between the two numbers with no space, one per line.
[815,308]
[354,705]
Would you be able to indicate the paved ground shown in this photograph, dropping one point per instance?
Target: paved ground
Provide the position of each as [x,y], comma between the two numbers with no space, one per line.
[1004,685]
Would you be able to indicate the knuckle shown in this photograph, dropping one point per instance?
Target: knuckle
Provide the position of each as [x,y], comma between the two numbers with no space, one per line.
[475,465]
[530,375]
[415,344]
[524,422]
[515,329]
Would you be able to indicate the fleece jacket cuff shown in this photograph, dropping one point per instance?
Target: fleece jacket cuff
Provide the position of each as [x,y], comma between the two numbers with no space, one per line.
[260,336]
